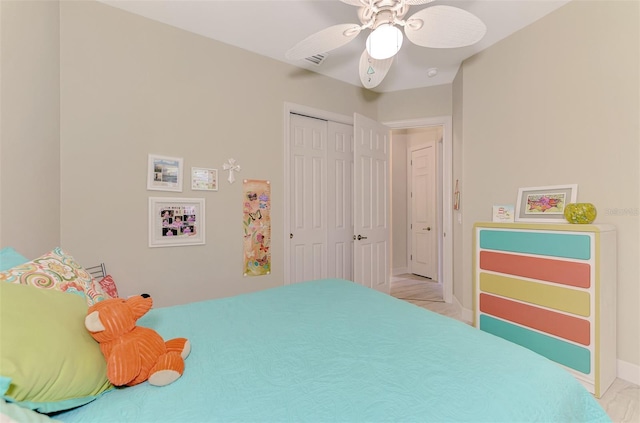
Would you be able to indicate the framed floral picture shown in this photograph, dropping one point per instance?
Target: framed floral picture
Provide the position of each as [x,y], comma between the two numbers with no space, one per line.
[203,179]
[176,221]
[544,204]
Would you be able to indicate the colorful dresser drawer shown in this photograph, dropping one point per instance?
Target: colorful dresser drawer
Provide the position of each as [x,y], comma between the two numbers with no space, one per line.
[544,287]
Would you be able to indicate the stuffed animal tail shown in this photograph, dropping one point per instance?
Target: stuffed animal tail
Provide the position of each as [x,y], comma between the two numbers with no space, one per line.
[169,367]
[180,345]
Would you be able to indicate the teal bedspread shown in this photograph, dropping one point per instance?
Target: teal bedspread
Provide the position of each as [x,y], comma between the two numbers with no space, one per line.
[334,351]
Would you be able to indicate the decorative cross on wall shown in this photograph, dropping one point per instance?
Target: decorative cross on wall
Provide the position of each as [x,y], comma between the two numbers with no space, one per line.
[231,167]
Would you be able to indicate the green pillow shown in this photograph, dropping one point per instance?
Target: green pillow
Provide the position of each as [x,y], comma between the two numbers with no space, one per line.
[48,360]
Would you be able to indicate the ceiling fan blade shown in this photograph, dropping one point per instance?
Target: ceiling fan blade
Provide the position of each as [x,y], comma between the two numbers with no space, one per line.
[323,41]
[354,2]
[373,71]
[444,27]
[415,2]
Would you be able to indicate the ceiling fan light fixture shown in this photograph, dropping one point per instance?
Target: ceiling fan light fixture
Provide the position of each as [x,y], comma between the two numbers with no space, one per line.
[384,42]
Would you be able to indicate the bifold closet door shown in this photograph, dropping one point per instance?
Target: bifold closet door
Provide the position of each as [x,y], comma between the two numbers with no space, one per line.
[308,226]
[372,219]
[321,198]
[334,199]
[340,201]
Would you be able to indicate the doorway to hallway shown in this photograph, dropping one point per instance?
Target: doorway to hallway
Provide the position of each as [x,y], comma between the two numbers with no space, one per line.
[403,248]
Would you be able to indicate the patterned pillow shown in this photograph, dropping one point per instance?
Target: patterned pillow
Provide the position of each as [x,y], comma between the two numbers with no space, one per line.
[59,271]
[108,285]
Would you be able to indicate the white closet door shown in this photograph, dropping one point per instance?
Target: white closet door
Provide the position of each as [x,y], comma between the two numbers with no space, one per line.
[423,212]
[308,196]
[340,201]
[371,204]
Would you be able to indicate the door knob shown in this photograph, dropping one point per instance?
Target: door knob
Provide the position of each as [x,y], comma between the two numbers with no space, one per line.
[428,228]
[361,237]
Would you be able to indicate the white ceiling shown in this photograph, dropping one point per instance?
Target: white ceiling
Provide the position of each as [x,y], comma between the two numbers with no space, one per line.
[271,27]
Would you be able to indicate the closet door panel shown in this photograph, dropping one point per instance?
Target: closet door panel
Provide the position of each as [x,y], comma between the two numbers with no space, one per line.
[308,195]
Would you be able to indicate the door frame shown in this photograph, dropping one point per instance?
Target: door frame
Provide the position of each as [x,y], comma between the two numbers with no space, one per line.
[313,113]
[445,243]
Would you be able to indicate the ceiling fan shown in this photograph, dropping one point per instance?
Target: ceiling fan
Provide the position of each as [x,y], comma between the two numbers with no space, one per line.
[437,26]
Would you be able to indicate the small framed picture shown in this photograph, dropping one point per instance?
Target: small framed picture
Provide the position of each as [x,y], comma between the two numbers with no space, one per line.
[203,179]
[176,221]
[164,173]
[503,213]
[544,204]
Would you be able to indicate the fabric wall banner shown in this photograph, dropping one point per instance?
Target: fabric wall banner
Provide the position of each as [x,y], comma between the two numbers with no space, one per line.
[257,227]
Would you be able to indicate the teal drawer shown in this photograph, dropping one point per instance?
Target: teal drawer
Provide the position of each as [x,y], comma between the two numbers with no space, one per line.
[565,353]
[575,246]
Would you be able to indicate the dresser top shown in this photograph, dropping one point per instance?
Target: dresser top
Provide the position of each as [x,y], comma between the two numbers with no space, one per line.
[547,226]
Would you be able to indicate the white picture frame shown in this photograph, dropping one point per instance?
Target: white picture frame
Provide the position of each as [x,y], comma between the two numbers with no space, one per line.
[503,213]
[544,204]
[164,173]
[204,179]
[176,222]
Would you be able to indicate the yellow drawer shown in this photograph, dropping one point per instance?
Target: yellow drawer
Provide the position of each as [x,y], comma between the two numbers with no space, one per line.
[564,299]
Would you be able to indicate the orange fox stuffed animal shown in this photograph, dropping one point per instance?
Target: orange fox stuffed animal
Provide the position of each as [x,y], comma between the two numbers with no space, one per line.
[134,354]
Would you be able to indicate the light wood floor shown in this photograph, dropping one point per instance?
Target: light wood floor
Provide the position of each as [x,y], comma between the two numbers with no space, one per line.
[622,399]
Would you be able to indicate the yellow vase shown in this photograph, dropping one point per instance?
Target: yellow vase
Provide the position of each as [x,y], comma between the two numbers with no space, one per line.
[580,212]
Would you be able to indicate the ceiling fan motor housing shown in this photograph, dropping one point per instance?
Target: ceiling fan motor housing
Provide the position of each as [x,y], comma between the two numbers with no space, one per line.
[381,12]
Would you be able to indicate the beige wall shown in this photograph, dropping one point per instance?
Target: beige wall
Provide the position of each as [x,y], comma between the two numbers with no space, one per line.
[415,104]
[557,103]
[130,87]
[29,126]
[399,192]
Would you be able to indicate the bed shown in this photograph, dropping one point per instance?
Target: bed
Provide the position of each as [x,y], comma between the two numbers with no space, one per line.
[332,350]
[320,351]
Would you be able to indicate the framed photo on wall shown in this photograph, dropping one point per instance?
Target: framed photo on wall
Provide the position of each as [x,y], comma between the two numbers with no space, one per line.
[203,179]
[176,221]
[544,204]
[164,173]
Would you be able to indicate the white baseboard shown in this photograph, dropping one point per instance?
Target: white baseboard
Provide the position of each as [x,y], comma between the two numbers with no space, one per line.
[465,314]
[628,371]
[399,271]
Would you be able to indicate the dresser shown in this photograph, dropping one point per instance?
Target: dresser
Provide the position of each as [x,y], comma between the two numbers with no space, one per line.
[552,289]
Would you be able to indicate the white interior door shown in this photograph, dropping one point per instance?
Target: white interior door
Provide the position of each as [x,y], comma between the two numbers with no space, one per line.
[340,201]
[371,203]
[308,195]
[423,260]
